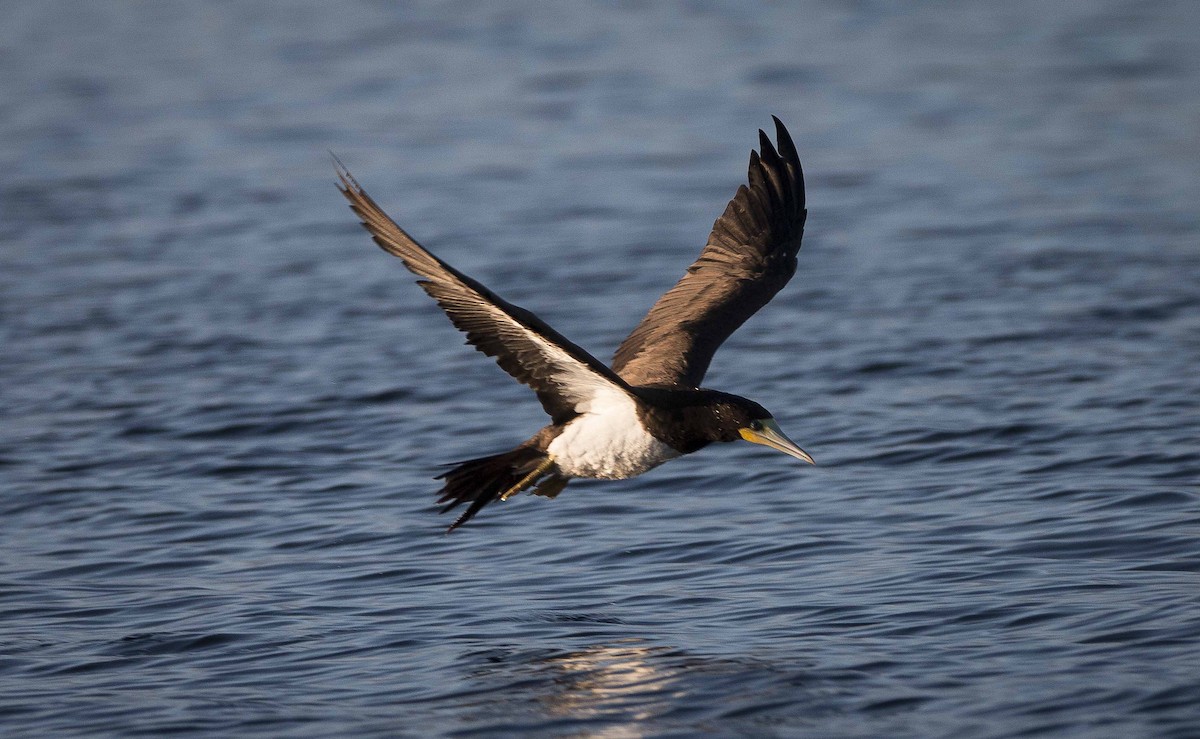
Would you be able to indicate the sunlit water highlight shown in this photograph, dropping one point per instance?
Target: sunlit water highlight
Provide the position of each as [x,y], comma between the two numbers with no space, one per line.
[222,406]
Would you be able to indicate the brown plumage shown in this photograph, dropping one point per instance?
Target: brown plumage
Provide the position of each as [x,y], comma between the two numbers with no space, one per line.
[523,344]
[648,408]
[750,256]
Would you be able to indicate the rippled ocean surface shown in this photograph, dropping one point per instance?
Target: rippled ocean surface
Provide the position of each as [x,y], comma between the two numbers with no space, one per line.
[222,406]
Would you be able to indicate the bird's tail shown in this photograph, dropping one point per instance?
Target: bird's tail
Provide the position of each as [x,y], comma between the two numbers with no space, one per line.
[480,481]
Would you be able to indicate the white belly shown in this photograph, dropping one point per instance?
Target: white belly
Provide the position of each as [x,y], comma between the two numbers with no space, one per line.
[608,442]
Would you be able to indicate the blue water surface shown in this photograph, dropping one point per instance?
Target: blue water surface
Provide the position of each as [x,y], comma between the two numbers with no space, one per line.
[221,406]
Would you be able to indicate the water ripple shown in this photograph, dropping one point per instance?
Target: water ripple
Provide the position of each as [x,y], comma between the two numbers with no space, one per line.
[223,409]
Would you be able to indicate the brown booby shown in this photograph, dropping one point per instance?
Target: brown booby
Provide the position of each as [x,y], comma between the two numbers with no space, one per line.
[618,421]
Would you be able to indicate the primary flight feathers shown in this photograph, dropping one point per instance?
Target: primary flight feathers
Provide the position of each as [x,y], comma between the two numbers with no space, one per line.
[750,256]
[648,407]
[562,374]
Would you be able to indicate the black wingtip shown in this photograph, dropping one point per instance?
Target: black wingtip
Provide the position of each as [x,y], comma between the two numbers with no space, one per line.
[787,149]
[786,146]
[754,174]
[766,148]
[337,163]
[346,181]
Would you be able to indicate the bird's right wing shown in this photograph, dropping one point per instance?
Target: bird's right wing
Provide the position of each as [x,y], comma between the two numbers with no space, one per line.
[565,377]
[750,256]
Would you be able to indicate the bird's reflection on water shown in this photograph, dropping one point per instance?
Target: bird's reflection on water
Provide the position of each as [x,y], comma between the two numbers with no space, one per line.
[624,687]
[618,685]
[603,679]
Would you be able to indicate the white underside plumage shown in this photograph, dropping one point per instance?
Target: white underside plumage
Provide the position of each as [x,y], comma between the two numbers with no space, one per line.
[607,440]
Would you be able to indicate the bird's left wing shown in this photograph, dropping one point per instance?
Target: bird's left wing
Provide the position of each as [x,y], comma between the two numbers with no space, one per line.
[565,377]
[750,256]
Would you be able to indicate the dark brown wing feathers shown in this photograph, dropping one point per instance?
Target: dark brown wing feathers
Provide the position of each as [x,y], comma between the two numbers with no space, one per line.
[511,334]
[750,256]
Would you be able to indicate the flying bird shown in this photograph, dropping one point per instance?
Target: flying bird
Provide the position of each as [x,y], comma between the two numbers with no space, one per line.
[647,407]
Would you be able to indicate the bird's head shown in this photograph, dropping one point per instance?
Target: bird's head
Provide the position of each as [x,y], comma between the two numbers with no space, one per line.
[742,418]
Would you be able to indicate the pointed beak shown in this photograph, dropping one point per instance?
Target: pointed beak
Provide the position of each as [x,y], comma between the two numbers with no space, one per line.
[772,436]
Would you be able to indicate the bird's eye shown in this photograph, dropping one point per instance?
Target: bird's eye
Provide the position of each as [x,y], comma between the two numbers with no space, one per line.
[756,426]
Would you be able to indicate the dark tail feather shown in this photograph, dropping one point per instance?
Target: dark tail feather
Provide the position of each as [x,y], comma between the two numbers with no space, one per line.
[480,481]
